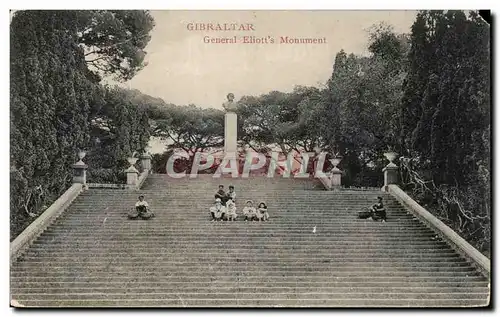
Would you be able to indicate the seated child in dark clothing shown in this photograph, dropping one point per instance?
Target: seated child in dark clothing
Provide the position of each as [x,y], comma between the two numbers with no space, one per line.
[262,213]
[231,194]
[378,211]
[221,194]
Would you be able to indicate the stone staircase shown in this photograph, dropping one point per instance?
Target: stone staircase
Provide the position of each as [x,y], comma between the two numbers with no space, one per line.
[94,256]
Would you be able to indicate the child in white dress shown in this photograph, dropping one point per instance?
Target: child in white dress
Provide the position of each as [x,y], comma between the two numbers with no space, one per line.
[249,211]
[217,211]
[231,210]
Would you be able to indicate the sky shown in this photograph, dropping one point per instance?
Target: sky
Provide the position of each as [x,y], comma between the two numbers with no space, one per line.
[182,69]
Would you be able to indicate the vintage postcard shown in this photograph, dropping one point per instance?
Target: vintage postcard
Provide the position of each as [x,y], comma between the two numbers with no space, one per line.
[250,158]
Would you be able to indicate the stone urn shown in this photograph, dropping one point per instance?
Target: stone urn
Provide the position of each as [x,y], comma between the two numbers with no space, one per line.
[391,156]
[335,162]
[132,160]
[81,155]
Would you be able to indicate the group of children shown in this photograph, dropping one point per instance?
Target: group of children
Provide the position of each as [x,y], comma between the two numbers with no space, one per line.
[224,207]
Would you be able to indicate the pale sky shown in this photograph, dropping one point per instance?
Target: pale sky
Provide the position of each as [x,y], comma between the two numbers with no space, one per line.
[182,69]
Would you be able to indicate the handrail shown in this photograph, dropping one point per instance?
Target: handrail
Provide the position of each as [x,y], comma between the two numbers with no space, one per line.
[44,220]
[142,178]
[462,246]
[326,182]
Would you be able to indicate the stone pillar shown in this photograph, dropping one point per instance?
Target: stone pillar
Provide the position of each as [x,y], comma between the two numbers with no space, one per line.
[390,174]
[336,178]
[146,161]
[336,174]
[80,173]
[80,170]
[230,133]
[132,174]
[390,171]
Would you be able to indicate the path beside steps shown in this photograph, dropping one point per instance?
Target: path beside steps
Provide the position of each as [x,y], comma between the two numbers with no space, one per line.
[94,256]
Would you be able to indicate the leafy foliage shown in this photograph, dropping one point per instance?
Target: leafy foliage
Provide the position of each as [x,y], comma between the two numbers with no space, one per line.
[114,40]
[445,119]
[190,128]
[56,106]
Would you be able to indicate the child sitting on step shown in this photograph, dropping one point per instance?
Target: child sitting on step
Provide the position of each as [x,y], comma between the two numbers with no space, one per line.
[217,211]
[231,210]
[378,210]
[231,194]
[262,213]
[249,212]
[141,210]
[221,194]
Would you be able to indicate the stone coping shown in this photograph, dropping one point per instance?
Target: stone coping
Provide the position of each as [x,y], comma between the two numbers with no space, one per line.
[99,185]
[142,178]
[23,240]
[476,258]
[140,181]
[326,182]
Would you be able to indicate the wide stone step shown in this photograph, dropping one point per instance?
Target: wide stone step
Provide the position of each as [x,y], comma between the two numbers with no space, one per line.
[201,216]
[286,202]
[241,302]
[243,289]
[287,243]
[204,222]
[146,259]
[180,213]
[286,246]
[317,295]
[266,228]
[222,270]
[221,233]
[151,282]
[332,268]
[204,262]
[56,275]
[269,277]
[181,259]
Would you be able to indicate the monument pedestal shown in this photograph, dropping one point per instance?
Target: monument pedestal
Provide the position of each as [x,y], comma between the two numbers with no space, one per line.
[230,134]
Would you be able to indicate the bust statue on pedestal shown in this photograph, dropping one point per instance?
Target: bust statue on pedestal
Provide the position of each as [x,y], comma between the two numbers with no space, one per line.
[230,105]
[230,126]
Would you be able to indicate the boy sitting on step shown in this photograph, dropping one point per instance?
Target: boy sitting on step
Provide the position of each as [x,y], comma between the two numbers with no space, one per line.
[141,210]
[249,211]
[231,210]
[221,194]
[217,211]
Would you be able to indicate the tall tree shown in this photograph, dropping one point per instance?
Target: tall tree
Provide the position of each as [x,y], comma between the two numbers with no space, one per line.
[55,97]
[445,126]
